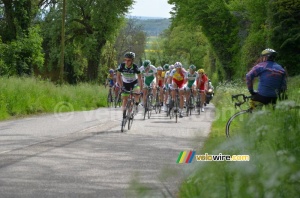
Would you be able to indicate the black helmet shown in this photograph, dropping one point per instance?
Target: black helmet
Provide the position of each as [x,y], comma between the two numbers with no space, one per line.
[270,53]
[129,55]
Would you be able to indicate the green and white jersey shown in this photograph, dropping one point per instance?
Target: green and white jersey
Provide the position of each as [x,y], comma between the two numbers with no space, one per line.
[149,74]
[191,78]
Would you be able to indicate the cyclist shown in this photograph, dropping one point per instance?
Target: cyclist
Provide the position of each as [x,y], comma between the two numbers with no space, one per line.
[111,78]
[161,82]
[112,81]
[149,72]
[272,78]
[166,68]
[178,77]
[129,76]
[192,77]
[202,86]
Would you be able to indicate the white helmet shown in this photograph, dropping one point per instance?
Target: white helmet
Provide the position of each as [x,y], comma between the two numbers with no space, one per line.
[178,65]
[171,67]
[159,68]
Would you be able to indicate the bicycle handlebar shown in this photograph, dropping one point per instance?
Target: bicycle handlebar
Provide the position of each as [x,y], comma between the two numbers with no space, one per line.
[239,103]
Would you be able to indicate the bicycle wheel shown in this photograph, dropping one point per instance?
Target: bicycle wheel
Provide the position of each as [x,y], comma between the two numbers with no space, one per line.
[109,98]
[150,106]
[198,104]
[234,122]
[129,115]
[176,109]
[191,104]
[145,108]
[118,99]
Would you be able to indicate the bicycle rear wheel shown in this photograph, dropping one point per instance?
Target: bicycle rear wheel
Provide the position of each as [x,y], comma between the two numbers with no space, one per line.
[234,122]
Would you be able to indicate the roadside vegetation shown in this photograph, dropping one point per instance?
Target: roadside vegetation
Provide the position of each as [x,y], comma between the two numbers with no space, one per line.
[270,137]
[25,96]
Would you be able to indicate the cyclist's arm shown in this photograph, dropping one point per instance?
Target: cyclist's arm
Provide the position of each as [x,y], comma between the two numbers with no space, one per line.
[253,73]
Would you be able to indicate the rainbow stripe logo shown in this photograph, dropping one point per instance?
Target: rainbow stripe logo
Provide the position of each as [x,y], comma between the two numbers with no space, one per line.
[185,157]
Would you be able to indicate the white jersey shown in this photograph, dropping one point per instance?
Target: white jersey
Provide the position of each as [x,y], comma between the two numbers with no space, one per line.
[151,72]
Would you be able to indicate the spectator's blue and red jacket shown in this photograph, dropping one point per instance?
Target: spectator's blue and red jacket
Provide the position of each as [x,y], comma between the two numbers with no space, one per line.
[272,78]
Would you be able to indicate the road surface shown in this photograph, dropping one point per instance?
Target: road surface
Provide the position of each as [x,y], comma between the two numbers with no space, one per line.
[84,154]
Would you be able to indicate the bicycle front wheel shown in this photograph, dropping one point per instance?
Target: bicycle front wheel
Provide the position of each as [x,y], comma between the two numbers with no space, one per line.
[129,115]
[233,125]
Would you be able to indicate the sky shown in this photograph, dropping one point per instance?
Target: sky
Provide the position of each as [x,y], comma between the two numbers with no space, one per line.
[151,8]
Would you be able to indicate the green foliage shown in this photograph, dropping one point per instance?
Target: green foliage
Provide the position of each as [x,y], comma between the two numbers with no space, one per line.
[42,96]
[285,37]
[271,139]
[23,55]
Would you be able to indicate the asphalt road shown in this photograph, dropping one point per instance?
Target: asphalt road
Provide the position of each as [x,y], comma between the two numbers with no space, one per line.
[84,154]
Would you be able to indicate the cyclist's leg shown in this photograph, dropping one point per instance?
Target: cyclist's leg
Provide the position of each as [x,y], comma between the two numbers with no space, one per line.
[202,99]
[136,89]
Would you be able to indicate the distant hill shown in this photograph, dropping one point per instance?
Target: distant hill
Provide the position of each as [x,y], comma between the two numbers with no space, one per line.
[153,26]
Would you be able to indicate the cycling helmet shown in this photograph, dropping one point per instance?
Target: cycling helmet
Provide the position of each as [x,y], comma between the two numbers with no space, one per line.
[111,71]
[166,67]
[201,71]
[178,65]
[270,53]
[193,67]
[129,55]
[159,68]
[171,67]
[146,63]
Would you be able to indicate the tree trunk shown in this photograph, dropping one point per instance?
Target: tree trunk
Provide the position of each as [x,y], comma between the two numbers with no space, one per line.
[10,33]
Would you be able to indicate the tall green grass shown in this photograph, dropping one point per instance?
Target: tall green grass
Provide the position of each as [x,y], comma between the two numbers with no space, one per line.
[270,137]
[25,96]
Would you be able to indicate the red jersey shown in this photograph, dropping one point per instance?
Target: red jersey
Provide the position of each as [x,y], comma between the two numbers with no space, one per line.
[202,82]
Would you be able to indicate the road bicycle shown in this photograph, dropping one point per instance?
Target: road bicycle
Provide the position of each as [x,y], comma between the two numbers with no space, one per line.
[198,102]
[234,121]
[167,93]
[129,109]
[190,103]
[110,98]
[118,98]
[148,106]
[157,104]
[174,107]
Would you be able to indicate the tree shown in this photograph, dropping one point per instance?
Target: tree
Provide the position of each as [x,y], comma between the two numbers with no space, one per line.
[130,38]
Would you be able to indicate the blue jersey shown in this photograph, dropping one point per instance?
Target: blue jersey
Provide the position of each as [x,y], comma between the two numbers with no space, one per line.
[272,78]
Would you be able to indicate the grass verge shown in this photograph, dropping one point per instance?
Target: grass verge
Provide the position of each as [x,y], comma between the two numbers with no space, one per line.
[25,96]
[270,137]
